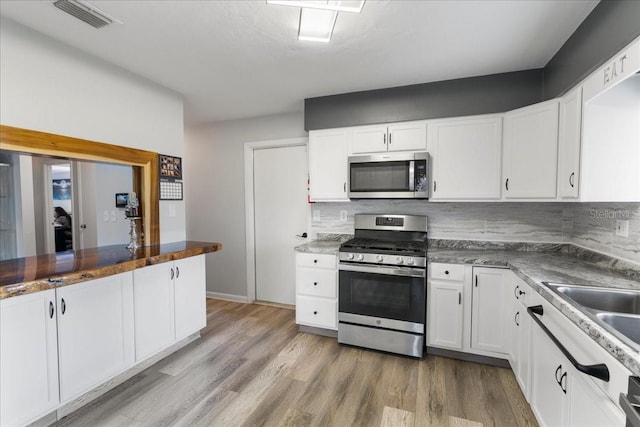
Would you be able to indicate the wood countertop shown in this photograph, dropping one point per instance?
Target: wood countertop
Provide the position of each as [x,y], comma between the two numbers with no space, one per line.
[32,274]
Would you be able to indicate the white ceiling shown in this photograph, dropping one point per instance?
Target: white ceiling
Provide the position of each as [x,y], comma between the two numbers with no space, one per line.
[237,59]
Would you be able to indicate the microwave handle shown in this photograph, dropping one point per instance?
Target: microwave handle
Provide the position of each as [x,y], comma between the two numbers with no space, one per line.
[412,179]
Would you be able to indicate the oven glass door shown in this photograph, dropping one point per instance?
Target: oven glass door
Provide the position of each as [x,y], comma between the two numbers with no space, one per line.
[380,177]
[387,296]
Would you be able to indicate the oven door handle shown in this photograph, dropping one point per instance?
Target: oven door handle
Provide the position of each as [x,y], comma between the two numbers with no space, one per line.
[391,271]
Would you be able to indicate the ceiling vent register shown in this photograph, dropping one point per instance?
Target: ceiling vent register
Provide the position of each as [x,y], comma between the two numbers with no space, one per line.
[85,12]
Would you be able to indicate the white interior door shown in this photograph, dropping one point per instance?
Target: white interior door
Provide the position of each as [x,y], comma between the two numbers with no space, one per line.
[280,213]
[85,220]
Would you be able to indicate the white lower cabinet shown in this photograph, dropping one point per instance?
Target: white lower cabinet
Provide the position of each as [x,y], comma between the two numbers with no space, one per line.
[489,312]
[445,306]
[153,296]
[317,290]
[190,296]
[520,333]
[561,395]
[28,358]
[58,344]
[95,332]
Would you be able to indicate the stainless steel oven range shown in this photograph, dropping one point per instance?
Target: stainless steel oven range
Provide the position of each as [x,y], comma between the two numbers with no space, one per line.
[382,284]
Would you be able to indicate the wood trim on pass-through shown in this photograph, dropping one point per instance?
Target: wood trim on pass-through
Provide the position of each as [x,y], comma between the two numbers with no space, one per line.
[145,165]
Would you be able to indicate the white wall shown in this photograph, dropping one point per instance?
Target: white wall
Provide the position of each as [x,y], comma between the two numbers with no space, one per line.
[112,179]
[50,87]
[214,167]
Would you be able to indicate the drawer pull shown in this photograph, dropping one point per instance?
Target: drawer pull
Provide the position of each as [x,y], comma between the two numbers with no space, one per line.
[315,283]
[315,261]
[599,370]
[315,312]
[446,272]
[51,310]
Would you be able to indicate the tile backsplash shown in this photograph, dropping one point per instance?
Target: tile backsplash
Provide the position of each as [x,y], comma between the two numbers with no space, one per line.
[591,225]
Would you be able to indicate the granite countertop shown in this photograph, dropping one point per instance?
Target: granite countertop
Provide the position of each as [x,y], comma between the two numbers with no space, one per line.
[325,244]
[559,267]
[32,274]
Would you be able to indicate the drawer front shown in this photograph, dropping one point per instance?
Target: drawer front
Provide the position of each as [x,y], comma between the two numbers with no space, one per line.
[447,271]
[316,282]
[316,260]
[322,313]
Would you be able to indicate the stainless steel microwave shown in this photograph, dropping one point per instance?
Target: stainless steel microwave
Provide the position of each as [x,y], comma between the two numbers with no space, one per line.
[389,176]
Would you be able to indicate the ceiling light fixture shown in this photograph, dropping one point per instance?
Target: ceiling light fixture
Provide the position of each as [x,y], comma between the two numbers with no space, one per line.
[316,24]
[318,17]
[337,5]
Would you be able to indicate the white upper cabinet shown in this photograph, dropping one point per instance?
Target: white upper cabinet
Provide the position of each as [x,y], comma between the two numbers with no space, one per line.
[611,130]
[531,152]
[569,144]
[409,136]
[328,165]
[466,157]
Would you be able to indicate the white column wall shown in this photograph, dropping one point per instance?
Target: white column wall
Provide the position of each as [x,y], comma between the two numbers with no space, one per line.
[48,86]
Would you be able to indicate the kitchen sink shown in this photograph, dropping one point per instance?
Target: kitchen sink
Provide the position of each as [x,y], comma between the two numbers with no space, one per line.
[627,324]
[602,299]
[616,310]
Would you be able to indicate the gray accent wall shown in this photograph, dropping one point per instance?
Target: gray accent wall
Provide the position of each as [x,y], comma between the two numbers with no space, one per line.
[608,28]
[461,97]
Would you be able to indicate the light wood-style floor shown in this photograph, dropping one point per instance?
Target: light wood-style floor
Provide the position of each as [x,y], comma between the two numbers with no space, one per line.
[252,367]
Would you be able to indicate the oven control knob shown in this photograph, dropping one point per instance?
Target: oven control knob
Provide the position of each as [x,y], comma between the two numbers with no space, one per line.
[399,260]
[360,257]
[380,258]
[410,261]
[350,256]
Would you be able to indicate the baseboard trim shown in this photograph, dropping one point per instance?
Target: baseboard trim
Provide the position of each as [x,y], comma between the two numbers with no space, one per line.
[487,360]
[228,297]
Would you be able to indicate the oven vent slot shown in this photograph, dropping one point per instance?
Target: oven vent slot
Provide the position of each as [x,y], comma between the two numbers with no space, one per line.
[85,12]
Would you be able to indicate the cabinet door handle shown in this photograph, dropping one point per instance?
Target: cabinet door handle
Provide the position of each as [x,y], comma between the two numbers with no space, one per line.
[516,318]
[344,187]
[520,293]
[315,312]
[172,273]
[177,272]
[434,186]
[63,306]
[459,298]
[562,385]
[476,280]
[315,283]
[599,370]
[515,291]
[558,370]
[506,184]
[389,138]
[571,179]
[51,310]
[315,261]
[384,139]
